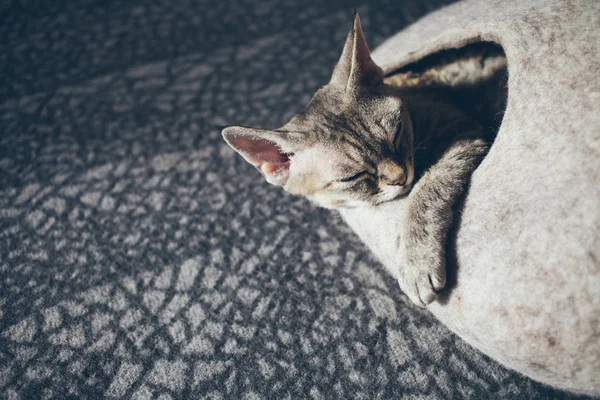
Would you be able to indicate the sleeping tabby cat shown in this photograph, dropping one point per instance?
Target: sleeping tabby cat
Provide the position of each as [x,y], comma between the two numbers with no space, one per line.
[391,156]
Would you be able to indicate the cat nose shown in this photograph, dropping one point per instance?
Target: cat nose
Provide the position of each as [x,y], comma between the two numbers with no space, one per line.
[392,174]
[400,179]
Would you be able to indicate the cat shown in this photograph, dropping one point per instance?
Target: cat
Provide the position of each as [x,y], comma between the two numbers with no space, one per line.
[392,156]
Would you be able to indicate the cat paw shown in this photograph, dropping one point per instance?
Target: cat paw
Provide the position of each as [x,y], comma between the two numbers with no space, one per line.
[421,281]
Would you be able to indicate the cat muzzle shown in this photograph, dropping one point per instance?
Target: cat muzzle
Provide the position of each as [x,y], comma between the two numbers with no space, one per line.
[400,180]
[392,173]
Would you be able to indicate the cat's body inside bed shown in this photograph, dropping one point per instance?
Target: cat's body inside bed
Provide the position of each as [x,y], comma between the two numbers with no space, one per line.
[392,154]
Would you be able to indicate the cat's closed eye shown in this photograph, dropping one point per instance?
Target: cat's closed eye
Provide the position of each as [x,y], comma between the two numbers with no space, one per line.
[363,183]
[359,175]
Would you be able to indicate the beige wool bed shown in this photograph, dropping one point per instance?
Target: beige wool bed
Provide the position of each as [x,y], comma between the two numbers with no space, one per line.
[527,272]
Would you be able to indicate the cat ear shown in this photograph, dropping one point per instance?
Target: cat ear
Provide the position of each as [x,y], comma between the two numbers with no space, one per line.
[263,149]
[355,67]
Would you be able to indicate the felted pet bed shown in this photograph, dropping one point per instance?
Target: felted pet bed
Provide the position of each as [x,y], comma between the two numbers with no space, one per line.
[526,274]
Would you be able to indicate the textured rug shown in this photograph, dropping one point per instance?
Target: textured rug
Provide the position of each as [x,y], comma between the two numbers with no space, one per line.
[139,258]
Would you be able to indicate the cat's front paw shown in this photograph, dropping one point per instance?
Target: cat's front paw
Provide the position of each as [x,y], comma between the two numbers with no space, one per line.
[422,277]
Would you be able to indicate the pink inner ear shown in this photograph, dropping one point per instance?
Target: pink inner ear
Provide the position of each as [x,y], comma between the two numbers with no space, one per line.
[263,154]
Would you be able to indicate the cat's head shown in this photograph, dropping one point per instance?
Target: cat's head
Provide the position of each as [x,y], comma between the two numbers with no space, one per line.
[351,146]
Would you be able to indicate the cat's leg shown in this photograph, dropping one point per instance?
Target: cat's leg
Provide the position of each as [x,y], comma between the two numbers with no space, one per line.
[427,219]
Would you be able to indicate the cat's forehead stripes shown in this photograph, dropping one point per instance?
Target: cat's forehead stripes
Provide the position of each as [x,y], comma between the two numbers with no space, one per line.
[346,131]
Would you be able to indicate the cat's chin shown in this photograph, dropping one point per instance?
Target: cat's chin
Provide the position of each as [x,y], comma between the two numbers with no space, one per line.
[392,194]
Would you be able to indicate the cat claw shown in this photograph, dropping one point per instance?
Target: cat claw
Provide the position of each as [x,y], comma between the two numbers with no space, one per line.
[422,285]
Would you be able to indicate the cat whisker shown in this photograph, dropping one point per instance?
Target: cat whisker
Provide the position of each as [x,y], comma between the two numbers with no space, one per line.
[418,147]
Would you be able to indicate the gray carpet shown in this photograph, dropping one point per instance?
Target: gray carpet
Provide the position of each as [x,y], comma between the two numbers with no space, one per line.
[140,258]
